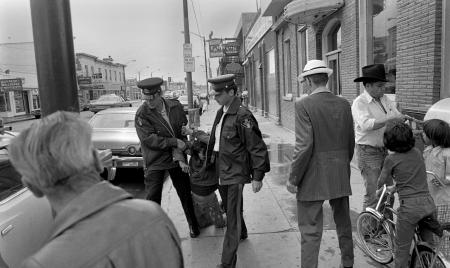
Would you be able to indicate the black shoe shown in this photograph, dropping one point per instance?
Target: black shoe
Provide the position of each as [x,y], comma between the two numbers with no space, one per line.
[194,231]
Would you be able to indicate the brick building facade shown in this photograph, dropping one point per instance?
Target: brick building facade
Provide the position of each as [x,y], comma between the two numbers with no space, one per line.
[408,37]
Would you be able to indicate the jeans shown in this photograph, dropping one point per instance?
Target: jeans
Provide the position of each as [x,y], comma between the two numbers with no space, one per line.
[370,163]
[410,212]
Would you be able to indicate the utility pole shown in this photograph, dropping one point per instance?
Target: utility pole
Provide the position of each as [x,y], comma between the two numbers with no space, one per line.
[187,41]
[54,53]
[206,70]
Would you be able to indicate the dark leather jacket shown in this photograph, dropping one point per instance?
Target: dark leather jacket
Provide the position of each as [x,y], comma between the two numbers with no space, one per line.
[156,136]
[243,155]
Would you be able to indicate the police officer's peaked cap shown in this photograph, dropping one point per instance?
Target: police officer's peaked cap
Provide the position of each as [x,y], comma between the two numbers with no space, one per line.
[222,82]
[150,86]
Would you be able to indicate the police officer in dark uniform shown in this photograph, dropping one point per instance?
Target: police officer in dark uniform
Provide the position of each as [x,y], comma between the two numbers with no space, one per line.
[239,155]
[158,125]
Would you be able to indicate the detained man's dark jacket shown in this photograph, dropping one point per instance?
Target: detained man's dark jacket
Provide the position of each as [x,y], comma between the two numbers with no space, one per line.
[243,155]
[156,136]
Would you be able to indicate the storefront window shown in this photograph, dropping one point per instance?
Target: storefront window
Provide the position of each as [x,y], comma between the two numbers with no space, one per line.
[19,101]
[287,67]
[383,18]
[36,103]
[4,102]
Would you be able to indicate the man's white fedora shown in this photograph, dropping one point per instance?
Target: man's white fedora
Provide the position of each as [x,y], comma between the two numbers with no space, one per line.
[315,67]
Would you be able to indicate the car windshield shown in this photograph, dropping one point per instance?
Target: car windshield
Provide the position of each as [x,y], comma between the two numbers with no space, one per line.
[109,98]
[113,120]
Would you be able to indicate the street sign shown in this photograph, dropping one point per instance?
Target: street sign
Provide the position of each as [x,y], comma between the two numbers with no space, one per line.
[215,48]
[187,50]
[10,84]
[231,48]
[84,80]
[189,64]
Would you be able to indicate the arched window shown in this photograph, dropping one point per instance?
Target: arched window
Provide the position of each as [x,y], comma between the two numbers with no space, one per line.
[331,47]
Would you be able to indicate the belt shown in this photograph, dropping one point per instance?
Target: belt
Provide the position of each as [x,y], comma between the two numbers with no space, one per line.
[372,147]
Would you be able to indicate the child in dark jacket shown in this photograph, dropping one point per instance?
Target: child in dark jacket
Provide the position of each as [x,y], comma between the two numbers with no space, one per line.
[404,164]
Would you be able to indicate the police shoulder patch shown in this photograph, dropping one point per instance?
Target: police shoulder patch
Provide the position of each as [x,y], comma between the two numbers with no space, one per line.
[247,123]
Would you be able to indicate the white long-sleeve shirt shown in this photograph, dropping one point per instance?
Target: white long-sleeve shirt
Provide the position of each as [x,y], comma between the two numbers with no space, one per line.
[365,111]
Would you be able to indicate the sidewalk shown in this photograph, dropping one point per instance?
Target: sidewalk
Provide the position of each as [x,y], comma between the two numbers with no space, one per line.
[270,215]
[8,120]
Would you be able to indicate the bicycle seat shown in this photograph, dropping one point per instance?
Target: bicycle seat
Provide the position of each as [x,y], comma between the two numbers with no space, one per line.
[431,223]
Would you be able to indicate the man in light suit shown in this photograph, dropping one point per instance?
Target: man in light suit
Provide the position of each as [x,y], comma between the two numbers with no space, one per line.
[324,145]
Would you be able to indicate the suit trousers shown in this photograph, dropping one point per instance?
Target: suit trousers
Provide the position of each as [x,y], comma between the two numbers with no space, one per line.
[310,223]
[232,196]
[154,181]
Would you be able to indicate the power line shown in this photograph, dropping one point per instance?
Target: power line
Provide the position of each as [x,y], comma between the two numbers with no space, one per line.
[199,11]
[195,16]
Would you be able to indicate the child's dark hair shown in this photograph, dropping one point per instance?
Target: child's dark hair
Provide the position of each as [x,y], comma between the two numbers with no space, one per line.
[438,132]
[398,137]
[197,146]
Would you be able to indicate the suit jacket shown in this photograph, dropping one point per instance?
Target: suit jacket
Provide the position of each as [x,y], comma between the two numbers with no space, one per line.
[324,146]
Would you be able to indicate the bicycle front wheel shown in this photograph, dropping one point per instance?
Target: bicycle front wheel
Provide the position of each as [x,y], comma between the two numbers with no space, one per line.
[375,237]
[425,259]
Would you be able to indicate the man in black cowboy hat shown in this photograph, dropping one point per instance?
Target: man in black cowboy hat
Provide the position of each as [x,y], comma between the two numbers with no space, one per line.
[158,124]
[371,111]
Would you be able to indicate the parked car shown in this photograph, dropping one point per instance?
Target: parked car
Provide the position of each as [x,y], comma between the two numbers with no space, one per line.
[84,104]
[114,129]
[36,113]
[183,99]
[108,101]
[25,220]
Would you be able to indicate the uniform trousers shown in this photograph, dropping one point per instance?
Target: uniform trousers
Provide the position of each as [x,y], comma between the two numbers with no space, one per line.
[310,223]
[232,196]
[154,181]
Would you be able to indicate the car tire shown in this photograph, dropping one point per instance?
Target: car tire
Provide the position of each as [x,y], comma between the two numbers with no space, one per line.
[200,111]
[104,174]
[37,116]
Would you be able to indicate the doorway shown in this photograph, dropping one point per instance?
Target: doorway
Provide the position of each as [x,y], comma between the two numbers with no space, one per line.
[333,62]
[331,45]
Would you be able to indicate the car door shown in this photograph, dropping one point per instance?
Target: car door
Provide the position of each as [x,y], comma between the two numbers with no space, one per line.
[25,220]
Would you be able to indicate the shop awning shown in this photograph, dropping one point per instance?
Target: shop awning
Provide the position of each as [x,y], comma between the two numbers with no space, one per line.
[310,11]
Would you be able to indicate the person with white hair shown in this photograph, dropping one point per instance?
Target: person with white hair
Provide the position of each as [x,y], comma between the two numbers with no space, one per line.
[96,224]
[324,144]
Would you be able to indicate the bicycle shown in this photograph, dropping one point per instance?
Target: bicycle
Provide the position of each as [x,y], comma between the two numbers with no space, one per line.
[376,234]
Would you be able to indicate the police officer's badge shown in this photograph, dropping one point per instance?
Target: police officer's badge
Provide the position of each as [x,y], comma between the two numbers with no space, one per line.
[140,122]
[247,123]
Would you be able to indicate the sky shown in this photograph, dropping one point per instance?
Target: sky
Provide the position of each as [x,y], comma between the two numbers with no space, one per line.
[146,35]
